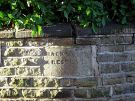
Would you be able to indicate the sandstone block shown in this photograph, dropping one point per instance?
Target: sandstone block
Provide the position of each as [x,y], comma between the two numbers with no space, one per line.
[105,58]
[12,61]
[99,92]
[28,71]
[124,89]
[80,93]
[7,71]
[24,52]
[121,57]
[111,48]
[46,82]
[66,82]
[7,34]
[88,41]
[86,82]
[128,67]
[113,79]
[68,61]
[3,82]
[109,68]
[11,42]
[49,42]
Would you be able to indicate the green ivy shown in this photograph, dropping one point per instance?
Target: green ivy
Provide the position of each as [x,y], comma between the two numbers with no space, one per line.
[33,14]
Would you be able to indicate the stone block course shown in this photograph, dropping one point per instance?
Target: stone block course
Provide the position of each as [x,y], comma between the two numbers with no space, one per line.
[124,89]
[95,68]
[112,79]
[105,58]
[109,68]
[86,82]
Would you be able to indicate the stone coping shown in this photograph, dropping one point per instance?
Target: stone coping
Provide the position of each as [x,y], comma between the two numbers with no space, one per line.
[66,31]
[110,29]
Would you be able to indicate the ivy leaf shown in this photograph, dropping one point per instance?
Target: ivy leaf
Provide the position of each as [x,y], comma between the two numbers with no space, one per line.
[1,14]
[103,21]
[33,33]
[88,11]
[66,15]
[133,1]
[124,20]
[39,29]
[94,28]
[10,16]
[79,7]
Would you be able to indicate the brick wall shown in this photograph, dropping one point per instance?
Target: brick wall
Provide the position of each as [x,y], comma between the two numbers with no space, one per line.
[92,68]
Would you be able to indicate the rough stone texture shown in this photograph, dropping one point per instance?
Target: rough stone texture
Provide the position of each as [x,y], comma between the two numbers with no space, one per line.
[112,28]
[7,34]
[119,39]
[95,68]
[58,30]
[67,61]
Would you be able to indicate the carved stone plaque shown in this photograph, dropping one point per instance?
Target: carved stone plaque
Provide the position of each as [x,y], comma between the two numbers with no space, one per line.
[68,61]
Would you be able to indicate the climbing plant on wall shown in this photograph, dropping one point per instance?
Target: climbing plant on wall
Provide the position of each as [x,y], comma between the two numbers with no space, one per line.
[33,14]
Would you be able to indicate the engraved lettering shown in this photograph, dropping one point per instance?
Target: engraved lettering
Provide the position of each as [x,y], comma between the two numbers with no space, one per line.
[58,62]
[52,61]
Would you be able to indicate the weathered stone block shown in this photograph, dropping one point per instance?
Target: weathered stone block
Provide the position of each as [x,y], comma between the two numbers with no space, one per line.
[109,68]
[99,92]
[132,57]
[67,61]
[105,39]
[61,93]
[93,99]
[46,82]
[49,42]
[28,93]
[24,51]
[66,82]
[105,58]
[12,61]
[11,42]
[130,79]
[86,82]
[9,93]
[42,93]
[111,48]
[28,71]
[123,97]
[128,67]
[125,39]
[7,34]
[33,61]
[53,94]
[124,89]
[21,82]
[80,93]
[130,48]
[7,71]
[121,57]
[88,41]
[109,40]
[3,82]
[113,79]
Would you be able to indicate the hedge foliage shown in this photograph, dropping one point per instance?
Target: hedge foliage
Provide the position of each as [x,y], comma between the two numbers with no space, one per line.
[33,14]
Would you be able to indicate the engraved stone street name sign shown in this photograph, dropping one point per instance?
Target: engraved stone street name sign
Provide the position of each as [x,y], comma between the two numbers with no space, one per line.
[68,61]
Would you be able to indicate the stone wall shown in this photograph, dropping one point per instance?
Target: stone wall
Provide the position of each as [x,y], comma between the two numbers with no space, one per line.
[81,68]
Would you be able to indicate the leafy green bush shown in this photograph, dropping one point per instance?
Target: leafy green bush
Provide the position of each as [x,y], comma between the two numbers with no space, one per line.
[33,14]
